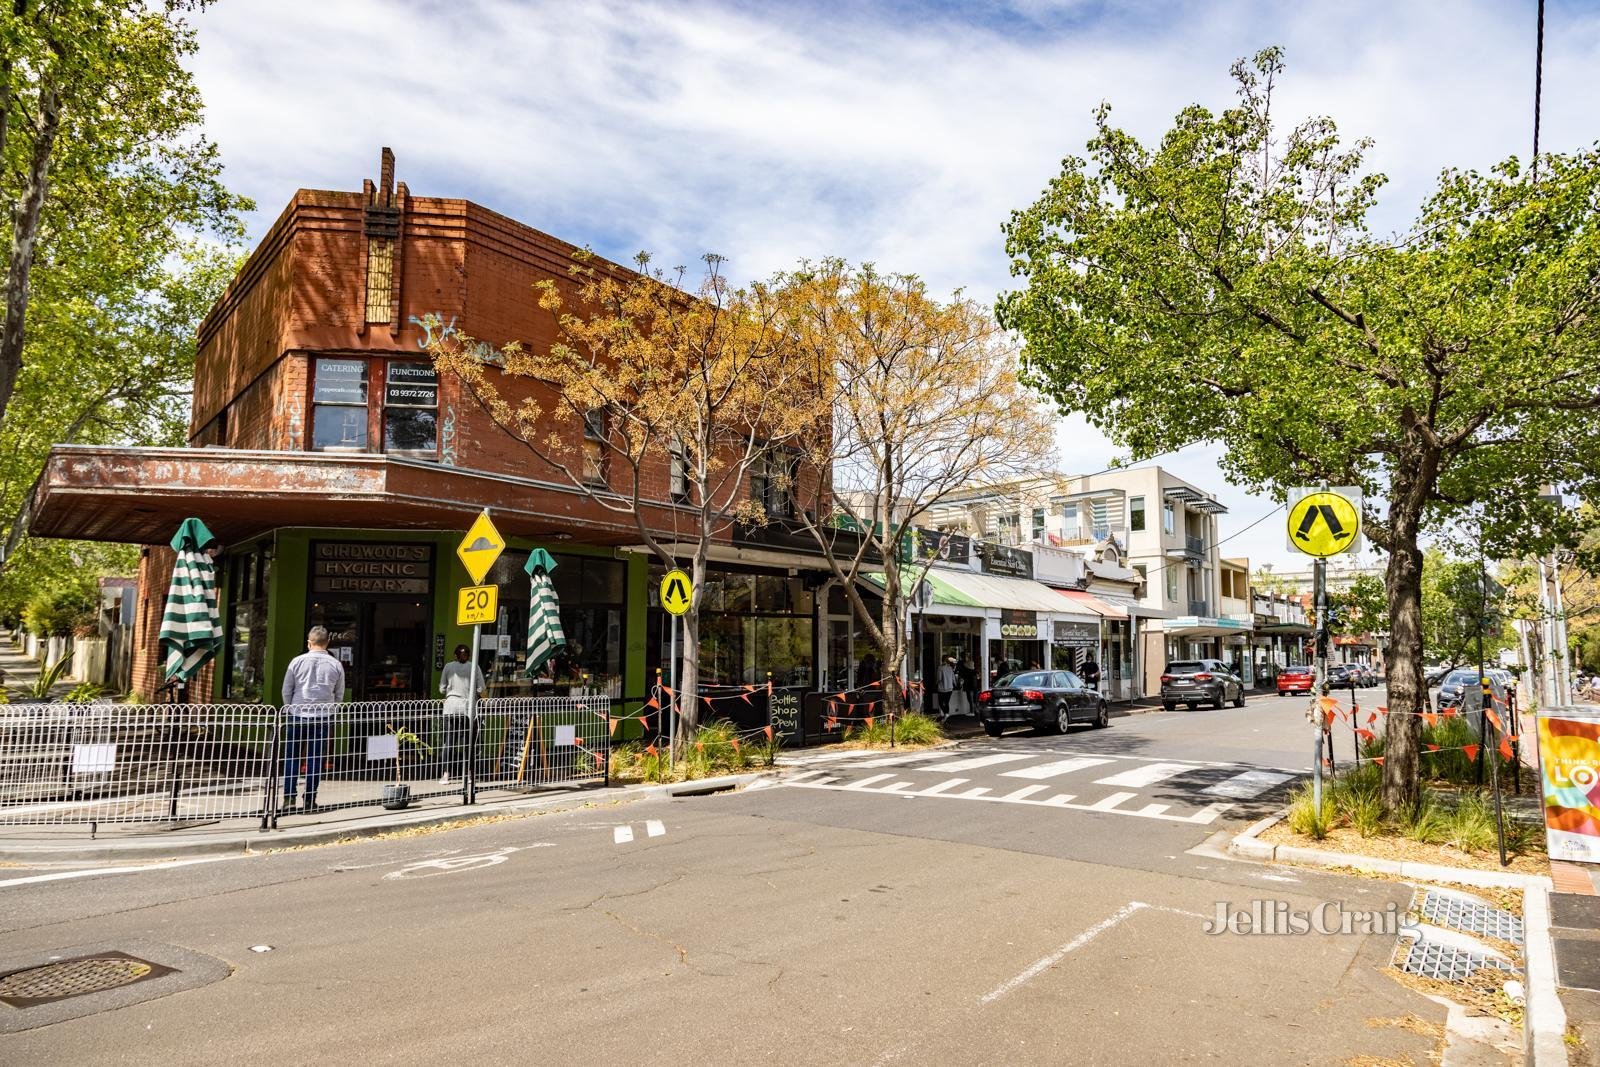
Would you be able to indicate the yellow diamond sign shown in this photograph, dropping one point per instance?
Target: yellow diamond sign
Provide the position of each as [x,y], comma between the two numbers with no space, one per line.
[481,547]
[1324,523]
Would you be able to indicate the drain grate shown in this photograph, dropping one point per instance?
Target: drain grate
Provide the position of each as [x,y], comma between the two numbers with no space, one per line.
[1471,916]
[63,979]
[1447,963]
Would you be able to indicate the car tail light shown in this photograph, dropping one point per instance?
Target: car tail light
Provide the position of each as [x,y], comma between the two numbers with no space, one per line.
[1203,676]
[985,696]
[1032,694]
[1166,677]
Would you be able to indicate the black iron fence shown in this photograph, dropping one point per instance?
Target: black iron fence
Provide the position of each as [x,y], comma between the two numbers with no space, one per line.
[201,763]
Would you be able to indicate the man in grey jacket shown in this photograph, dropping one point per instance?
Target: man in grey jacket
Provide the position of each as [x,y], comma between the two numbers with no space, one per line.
[457,683]
[313,683]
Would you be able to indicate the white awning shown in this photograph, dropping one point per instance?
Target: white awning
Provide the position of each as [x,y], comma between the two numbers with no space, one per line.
[966,589]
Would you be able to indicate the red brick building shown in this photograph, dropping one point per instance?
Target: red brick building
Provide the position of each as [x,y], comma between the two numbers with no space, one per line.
[339,471]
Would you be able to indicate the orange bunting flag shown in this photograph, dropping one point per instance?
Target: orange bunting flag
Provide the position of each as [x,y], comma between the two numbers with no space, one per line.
[707,700]
[1378,760]
[1431,718]
[699,746]
[735,744]
[667,690]
[746,696]
[1471,751]
[1430,746]
[1372,718]
[831,723]
[838,696]
[1383,708]
[1498,725]
[614,724]
[869,722]
[652,703]
[768,732]
[1365,734]
[650,750]
[1505,747]
[1451,712]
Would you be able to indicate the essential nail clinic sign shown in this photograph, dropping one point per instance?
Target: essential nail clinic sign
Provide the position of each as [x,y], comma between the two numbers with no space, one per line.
[1569,768]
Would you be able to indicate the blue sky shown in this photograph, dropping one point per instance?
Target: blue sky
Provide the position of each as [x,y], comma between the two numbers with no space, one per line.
[896,132]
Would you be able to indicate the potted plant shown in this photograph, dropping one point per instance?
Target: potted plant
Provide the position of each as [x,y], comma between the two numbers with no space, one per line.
[397,795]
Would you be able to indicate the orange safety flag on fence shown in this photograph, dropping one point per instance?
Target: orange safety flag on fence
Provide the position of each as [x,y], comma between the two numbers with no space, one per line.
[1498,725]
[869,722]
[768,731]
[1372,718]
[735,743]
[1378,760]
[1505,746]
[650,750]
[1430,746]
[1365,734]
[1471,751]
[1430,718]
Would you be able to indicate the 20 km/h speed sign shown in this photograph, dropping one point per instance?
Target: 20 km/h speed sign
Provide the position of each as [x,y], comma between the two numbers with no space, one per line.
[477,604]
[1324,522]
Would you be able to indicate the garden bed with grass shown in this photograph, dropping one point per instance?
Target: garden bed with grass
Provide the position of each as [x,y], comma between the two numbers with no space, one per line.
[1453,824]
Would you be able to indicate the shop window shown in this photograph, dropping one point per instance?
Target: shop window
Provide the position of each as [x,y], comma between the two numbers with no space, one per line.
[244,667]
[339,406]
[754,625]
[410,409]
[678,458]
[594,446]
[1136,513]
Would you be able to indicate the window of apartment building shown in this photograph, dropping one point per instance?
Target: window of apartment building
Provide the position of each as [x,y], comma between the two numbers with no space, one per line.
[339,406]
[1136,513]
[1168,518]
[678,472]
[594,446]
[770,482]
[411,409]
[1172,583]
[1144,574]
[1038,523]
[1100,517]
[1008,528]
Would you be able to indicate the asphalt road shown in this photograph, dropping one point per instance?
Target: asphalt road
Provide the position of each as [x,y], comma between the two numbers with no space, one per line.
[829,922]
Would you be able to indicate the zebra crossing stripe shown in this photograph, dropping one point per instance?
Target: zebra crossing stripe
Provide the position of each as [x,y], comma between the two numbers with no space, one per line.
[1110,803]
[1059,767]
[865,782]
[1247,785]
[895,761]
[978,761]
[1149,774]
[1025,791]
[933,791]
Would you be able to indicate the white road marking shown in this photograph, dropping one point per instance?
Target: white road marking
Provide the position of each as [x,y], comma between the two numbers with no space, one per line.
[654,828]
[1247,785]
[1149,774]
[977,761]
[1111,802]
[974,793]
[864,782]
[895,761]
[621,835]
[1059,767]
[935,790]
[61,876]
[1025,791]
[457,864]
[1040,966]
[1108,804]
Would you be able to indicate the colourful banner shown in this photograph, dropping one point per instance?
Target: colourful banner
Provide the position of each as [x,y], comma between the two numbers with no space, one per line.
[1569,764]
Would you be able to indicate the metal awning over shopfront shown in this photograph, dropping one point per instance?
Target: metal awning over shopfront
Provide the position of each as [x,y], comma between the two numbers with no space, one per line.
[986,595]
[1104,608]
[1204,626]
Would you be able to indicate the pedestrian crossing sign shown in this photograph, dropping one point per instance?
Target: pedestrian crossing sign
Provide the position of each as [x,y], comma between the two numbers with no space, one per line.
[676,591]
[1325,522]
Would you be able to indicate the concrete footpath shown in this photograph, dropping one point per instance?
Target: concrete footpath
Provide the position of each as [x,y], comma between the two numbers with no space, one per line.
[1575,935]
[72,843]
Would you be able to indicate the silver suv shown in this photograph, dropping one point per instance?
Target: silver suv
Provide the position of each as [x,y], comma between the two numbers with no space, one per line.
[1200,681]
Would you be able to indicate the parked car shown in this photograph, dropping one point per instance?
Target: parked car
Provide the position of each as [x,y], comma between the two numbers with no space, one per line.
[1296,680]
[1053,700]
[1344,676]
[1200,681]
[1432,676]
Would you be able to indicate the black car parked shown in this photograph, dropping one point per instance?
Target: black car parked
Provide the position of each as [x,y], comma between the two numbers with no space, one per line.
[1200,681]
[1053,700]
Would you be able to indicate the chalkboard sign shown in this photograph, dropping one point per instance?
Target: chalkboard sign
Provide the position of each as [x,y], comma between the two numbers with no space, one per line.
[786,709]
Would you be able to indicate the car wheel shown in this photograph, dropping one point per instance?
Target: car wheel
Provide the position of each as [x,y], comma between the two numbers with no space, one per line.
[993,729]
[1063,719]
[1220,699]
[1168,707]
[1102,719]
[1238,701]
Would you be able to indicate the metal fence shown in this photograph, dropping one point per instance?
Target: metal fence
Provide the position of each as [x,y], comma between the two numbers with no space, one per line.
[199,763]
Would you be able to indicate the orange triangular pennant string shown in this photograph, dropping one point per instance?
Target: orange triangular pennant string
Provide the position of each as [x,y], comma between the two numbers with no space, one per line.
[650,750]
[769,733]
[1471,751]
[1431,718]
[1365,734]
[736,744]
[1383,708]
[1372,718]
[869,722]
[699,746]
[652,703]
[1505,747]
[614,724]
[1378,760]
[1430,746]
[1498,725]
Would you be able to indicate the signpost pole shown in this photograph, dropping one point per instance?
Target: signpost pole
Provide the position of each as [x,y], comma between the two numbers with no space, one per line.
[672,706]
[468,784]
[1319,571]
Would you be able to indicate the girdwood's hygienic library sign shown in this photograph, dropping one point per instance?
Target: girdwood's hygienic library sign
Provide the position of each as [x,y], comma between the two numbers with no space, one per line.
[372,568]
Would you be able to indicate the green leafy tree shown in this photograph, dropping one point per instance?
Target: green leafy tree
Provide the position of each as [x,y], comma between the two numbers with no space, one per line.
[1224,285]
[1458,607]
[1360,608]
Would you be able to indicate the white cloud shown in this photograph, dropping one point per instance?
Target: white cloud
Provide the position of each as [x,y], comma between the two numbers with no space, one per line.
[887,133]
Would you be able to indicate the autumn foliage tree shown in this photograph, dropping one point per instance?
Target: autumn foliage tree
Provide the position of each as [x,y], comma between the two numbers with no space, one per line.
[652,382]
[1224,284]
[924,400]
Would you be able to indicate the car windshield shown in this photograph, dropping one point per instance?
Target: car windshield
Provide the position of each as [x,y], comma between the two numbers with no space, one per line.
[1461,677]
[1296,670]
[1034,679]
[1187,667]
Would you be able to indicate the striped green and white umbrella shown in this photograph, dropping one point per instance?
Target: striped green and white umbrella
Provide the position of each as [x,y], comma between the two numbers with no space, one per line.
[544,612]
[191,628]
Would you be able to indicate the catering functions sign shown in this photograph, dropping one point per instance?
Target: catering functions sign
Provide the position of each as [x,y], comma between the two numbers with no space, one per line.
[1569,765]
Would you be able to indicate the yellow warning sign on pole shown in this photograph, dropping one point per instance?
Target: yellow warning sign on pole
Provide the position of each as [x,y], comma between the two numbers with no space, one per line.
[477,604]
[481,547]
[676,592]
[1324,522]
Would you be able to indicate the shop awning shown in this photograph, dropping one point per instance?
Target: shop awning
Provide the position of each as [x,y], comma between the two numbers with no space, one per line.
[1088,601]
[964,589]
[1203,626]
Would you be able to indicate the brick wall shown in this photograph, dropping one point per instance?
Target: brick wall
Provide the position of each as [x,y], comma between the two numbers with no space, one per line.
[149,662]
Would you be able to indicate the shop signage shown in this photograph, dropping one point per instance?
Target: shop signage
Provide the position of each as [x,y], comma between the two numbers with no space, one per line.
[1016,623]
[1004,561]
[1569,762]
[480,547]
[413,385]
[1076,635]
[341,381]
[371,568]
[944,546]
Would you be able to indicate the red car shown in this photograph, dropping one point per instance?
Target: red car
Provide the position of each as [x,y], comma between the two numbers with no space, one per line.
[1294,680]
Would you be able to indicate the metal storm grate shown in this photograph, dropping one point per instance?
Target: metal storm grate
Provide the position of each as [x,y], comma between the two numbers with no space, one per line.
[1447,963]
[1471,916]
[62,979]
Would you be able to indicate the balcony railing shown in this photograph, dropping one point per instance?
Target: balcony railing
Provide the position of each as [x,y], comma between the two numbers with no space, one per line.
[1200,608]
[1194,546]
[1078,535]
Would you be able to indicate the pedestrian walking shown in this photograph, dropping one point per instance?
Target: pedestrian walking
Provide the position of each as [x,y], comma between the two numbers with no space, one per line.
[968,675]
[945,682]
[457,682]
[1091,673]
[311,686]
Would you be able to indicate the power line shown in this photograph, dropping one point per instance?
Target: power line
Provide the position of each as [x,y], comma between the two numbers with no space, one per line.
[1225,540]
[1538,88]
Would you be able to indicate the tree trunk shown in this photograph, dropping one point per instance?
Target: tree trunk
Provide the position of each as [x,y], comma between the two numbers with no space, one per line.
[24,239]
[1407,693]
[688,694]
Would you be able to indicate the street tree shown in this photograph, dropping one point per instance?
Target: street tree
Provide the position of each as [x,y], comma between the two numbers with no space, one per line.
[1360,608]
[1460,605]
[1224,285]
[657,384]
[925,401]
[104,164]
